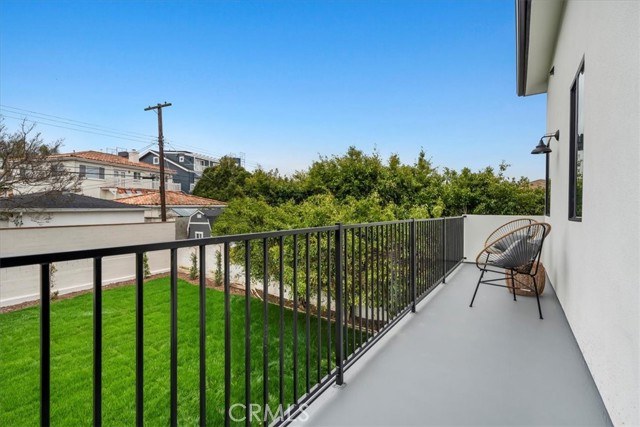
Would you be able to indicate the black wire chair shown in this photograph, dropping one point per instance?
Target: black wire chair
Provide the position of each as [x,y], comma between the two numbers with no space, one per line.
[515,253]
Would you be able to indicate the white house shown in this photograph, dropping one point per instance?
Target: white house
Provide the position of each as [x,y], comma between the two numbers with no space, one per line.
[585,55]
[103,174]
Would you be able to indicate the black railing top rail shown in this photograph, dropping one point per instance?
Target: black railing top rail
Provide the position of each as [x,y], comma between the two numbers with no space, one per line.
[401,221]
[45,258]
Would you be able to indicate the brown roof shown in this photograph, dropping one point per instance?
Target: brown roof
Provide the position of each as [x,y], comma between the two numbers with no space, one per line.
[173,198]
[538,183]
[97,156]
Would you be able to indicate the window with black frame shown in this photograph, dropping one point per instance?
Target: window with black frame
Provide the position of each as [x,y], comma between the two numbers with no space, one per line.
[576,166]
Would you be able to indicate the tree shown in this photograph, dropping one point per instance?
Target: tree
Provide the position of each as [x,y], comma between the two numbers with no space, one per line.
[353,174]
[485,193]
[28,164]
[223,182]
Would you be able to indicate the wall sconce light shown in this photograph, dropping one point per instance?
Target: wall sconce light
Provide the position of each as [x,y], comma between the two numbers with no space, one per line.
[543,148]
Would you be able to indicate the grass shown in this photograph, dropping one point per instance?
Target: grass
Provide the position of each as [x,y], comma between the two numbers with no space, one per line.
[72,362]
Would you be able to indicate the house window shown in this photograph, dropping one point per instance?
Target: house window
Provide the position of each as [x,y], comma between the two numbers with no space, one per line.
[576,146]
[156,161]
[136,176]
[91,172]
[199,234]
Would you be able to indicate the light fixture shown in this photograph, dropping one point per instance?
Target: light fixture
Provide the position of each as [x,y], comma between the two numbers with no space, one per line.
[543,148]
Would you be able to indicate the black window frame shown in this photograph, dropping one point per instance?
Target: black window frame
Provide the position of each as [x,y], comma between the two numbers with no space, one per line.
[91,172]
[576,101]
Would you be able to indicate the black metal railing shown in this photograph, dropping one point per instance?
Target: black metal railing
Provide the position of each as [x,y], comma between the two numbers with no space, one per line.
[342,288]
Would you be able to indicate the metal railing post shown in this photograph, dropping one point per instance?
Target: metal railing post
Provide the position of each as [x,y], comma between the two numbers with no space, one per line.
[139,339]
[339,308]
[444,249]
[45,344]
[97,341]
[412,242]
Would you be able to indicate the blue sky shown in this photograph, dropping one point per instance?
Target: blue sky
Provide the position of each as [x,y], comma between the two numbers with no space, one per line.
[281,82]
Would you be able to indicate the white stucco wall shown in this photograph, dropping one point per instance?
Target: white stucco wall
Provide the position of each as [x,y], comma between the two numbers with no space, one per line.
[594,264]
[21,284]
[76,217]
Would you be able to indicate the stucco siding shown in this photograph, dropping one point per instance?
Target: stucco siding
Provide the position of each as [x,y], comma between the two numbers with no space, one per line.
[77,217]
[594,264]
[22,283]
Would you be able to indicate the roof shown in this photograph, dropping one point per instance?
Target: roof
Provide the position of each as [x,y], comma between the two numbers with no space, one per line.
[59,200]
[112,159]
[173,198]
[537,27]
[193,154]
[185,211]
[155,153]
[538,183]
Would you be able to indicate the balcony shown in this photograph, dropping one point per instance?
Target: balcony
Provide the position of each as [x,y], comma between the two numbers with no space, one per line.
[379,310]
[448,364]
[169,186]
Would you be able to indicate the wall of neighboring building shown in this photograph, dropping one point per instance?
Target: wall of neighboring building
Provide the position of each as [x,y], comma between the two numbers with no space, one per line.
[21,284]
[75,217]
[594,264]
[96,187]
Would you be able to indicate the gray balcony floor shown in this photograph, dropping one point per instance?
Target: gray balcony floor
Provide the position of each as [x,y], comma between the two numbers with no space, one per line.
[448,364]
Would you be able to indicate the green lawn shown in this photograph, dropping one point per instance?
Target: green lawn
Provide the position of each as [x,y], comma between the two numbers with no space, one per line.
[72,363]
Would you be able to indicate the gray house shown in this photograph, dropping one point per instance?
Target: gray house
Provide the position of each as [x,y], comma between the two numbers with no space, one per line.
[193,223]
[199,226]
[188,165]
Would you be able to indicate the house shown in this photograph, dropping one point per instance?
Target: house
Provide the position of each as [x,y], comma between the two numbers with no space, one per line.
[188,166]
[175,200]
[102,174]
[585,55]
[191,223]
[56,208]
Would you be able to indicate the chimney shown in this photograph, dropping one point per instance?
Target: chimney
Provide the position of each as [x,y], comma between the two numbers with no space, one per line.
[134,156]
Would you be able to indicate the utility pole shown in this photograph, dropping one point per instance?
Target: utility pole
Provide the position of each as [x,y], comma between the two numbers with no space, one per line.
[163,199]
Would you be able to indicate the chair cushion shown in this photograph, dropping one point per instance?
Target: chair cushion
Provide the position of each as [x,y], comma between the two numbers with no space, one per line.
[500,245]
[519,253]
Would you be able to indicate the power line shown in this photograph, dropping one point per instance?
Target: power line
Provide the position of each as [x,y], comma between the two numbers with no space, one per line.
[95,129]
[78,130]
[76,122]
